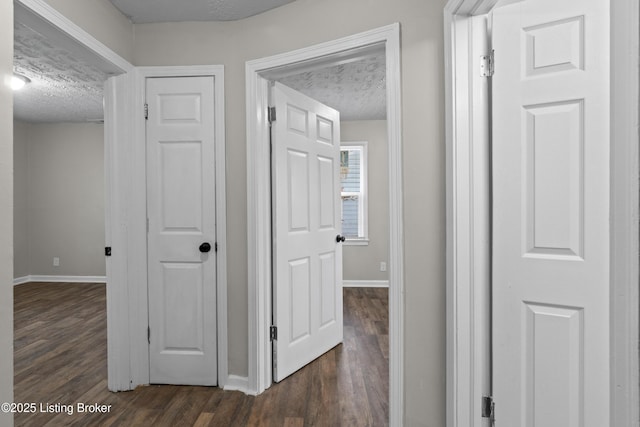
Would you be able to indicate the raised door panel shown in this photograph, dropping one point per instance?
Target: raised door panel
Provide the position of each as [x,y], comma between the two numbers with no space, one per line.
[182,332]
[554,46]
[553,345]
[180,186]
[299,300]
[298,191]
[327,199]
[327,289]
[553,162]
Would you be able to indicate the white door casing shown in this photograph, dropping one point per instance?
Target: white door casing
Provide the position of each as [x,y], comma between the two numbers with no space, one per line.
[307,286]
[181,209]
[125,136]
[551,213]
[259,202]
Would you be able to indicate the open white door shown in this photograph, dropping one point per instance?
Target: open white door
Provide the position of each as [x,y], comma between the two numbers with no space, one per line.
[307,279]
[181,241]
[551,180]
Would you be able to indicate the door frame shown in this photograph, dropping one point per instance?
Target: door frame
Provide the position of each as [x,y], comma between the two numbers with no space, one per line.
[128,357]
[468,186]
[259,201]
[48,21]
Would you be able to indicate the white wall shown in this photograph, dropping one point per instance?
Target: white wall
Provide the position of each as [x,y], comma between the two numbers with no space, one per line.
[20,188]
[300,24]
[296,25]
[102,20]
[59,192]
[363,262]
[6,209]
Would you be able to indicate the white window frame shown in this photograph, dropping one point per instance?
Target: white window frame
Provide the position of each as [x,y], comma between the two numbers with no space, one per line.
[363,208]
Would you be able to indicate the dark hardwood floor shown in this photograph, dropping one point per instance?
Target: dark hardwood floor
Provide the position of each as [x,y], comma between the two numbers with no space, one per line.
[60,358]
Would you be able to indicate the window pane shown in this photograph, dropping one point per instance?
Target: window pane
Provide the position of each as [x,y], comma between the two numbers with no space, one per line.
[350,216]
[352,162]
[351,179]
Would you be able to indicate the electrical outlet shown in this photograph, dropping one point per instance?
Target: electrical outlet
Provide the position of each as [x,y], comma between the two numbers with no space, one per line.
[56,261]
[383,266]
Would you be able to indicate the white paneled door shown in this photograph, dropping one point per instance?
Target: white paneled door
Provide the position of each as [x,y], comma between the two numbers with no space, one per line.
[181,230]
[307,285]
[551,214]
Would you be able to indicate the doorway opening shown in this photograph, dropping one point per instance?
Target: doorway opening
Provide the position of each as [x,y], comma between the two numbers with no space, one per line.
[61,142]
[129,315]
[258,73]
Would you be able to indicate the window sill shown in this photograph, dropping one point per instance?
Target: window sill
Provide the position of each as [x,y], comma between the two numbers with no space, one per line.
[356,242]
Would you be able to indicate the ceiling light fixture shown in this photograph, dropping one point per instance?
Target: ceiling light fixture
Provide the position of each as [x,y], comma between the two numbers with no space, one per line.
[18,81]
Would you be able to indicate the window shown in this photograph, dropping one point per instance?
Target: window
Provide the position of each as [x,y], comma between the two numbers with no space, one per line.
[353,179]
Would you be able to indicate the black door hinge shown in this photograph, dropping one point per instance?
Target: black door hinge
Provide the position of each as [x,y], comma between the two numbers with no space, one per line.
[149,334]
[107,251]
[488,408]
[273,333]
[146,111]
[271,114]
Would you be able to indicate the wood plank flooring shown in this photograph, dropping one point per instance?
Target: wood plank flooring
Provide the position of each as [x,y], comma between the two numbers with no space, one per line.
[60,358]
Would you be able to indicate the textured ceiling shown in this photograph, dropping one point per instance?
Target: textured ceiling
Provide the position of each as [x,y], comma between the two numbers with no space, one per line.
[67,86]
[141,11]
[63,87]
[356,89]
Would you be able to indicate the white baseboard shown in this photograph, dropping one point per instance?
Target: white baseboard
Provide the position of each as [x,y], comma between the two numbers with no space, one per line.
[237,383]
[21,280]
[365,283]
[59,279]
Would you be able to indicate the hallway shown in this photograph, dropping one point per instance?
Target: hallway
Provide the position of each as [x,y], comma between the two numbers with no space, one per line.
[60,361]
